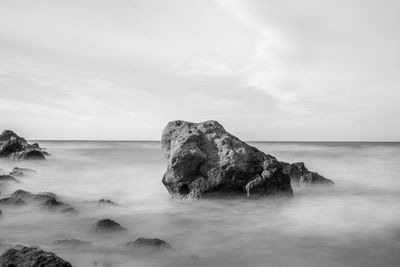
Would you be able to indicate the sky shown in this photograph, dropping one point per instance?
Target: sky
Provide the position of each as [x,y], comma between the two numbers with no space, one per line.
[310,70]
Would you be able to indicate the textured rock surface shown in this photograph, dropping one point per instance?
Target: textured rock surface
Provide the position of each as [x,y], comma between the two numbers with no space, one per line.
[15,147]
[204,160]
[148,244]
[21,256]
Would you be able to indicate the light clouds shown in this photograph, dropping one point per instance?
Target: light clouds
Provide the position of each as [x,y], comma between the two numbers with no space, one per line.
[268,70]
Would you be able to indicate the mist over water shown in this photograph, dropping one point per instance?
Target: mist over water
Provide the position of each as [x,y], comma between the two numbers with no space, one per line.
[355,223]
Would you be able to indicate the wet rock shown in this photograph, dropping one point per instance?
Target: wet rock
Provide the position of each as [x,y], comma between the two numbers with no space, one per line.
[15,147]
[71,243]
[149,244]
[300,175]
[108,226]
[45,196]
[12,201]
[21,171]
[21,256]
[22,194]
[204,160]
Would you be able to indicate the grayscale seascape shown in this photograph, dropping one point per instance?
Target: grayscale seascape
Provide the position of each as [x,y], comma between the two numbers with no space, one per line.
[354,223]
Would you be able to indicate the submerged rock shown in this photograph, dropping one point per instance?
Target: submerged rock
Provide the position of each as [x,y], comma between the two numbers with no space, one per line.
[21,256]
[8,178]
[149,244]
[105,202]
[108,226]
[300,175]
[14,201]
[21,171]
[22,194]
[71,243]
[205,160]
[13,146]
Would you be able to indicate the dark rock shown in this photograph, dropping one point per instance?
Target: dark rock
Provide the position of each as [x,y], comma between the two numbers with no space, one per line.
[105,202]
[205,160]
[45,196]
[15,147]
[71,243]
[108,226]
[15,201]
[8,178]
[69,210]
[21,256]
[21,171]
[300,175]
[52,203]
[151,244]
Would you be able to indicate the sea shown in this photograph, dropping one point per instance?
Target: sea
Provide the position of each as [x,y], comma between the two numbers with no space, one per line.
[354,223]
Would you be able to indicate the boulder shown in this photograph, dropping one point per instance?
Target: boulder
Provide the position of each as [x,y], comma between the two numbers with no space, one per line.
[300,175]
[108,226]
[21,256]
[148,244]
[204,160]
[15,147]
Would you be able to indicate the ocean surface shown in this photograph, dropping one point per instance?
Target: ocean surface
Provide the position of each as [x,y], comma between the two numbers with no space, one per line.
[354,223]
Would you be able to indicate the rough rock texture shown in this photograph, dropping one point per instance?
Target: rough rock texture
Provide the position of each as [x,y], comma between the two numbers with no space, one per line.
[15,147]
[300,175]
[204,160]
[148,244]
[21,256]
[108,226]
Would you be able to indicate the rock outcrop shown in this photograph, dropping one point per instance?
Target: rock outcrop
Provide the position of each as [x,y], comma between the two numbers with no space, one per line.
[21,256]
[71,243]
[21,171]
[148,244]
[204,160]
[300,175]
[15,147]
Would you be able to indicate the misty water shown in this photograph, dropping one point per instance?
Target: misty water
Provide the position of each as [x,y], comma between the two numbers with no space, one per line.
[354,223]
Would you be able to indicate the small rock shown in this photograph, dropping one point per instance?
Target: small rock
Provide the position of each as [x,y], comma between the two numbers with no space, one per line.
[22,194]
[108,226]
[8,178]
[15,201]
[21,171]
[21,256]
[71,243]
[105,202]
[150,244]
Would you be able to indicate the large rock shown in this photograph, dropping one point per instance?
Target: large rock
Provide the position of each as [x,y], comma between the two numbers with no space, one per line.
[15,147]
[21,256]
[205,160]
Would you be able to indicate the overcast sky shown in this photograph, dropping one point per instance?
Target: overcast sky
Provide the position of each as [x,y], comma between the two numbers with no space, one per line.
[267,70]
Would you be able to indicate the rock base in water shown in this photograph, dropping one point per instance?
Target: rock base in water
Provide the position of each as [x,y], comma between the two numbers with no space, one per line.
[15,147]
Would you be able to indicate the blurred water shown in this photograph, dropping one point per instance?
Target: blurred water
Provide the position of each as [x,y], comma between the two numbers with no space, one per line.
[355,223]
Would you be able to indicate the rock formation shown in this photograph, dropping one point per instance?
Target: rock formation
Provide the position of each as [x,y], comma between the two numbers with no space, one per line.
[108,226]
[15,147]
[148,244]
[204,160]
[300,175]
[21,256]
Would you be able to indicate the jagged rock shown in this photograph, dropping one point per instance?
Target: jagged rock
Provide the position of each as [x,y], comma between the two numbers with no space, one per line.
[300,175]
[21,256]
[71,243]
[205,160]
[149,244]
[16,147]
[108,226]
[21,171]
[15,201]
